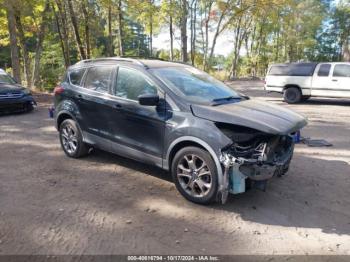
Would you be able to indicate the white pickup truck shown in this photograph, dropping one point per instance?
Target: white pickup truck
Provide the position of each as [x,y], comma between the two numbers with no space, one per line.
[300,81]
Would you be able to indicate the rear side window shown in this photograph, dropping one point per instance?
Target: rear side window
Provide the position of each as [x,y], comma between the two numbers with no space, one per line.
[324,70]
[292,70]
[99,78]
[278,71]
[76,75]
[131,84]
[341,71]
[301,70]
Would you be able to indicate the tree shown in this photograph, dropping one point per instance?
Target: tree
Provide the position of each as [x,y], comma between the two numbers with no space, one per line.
[170,15]
[39,43]
[11,20]
[183,29]
[74,21]
[341,22]
[62,29]
[146,12]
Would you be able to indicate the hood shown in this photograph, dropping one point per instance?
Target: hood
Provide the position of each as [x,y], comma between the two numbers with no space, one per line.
[253,113]
[5,88]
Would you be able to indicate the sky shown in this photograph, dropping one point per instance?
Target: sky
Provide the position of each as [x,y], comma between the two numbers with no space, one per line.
[224,43]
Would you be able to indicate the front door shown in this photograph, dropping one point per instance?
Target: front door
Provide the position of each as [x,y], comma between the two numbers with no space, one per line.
[341,80]
[138,131]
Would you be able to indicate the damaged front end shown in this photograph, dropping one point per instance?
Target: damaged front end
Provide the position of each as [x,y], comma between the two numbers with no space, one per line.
[252,158]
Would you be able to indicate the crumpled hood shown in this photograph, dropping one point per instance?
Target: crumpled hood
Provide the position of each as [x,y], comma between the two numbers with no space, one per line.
[5,88]
[253,113]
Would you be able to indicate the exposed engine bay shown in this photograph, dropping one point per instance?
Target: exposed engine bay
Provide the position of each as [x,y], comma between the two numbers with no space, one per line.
[252,158]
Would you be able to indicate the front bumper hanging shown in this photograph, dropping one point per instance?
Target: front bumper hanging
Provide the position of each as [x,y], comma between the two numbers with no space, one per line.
[258,169]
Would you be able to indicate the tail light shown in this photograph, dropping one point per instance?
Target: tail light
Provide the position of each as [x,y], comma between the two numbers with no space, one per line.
[58,90]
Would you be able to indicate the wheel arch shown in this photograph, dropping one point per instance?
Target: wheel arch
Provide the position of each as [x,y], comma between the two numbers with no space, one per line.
[63,115]
[185,141]
[292,85]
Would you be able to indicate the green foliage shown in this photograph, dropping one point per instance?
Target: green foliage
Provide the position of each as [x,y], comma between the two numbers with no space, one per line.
[263,32]
[52,64]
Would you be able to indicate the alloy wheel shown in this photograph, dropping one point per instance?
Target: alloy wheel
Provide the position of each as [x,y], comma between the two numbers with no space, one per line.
[194,175]
[69,139]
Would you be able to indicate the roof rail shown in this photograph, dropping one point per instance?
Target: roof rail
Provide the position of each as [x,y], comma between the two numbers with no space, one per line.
[116,58]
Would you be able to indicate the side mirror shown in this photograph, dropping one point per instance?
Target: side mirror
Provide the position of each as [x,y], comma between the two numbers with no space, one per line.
[148,100]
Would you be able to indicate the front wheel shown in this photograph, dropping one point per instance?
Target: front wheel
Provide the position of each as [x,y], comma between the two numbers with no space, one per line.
[292,95]
[195,175]
[72,140]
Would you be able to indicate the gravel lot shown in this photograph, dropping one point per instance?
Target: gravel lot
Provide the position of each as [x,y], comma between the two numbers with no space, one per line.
[105,204]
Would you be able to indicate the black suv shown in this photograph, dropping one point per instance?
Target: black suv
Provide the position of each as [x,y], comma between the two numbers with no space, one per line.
[213,140]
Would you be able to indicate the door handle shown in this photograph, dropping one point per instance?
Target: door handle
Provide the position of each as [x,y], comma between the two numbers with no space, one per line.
[334,80]
[79,96]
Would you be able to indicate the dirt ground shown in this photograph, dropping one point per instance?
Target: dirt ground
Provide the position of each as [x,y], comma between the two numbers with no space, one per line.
[105,204]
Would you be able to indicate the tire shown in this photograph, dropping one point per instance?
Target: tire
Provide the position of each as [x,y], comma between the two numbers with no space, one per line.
[195,175]
[292,95]
[72,140]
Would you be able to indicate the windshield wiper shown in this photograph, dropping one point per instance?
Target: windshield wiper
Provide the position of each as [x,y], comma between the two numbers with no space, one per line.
[217,101]
[226,98]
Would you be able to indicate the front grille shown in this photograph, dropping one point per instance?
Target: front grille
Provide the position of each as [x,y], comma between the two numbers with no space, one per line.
[11,95]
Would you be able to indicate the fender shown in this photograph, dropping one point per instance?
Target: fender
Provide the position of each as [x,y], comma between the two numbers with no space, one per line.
[67,107]
[64,112]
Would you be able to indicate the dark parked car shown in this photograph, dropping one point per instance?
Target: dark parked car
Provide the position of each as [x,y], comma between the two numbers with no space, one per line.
[213,140]
[13,97]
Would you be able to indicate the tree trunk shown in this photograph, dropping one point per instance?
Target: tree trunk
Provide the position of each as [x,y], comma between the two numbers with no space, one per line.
[346,50]
[183,25]
[110,36]
[16,68]
[217,32]
[62,27]
[206,41]
[87,28]
[171,38]
[151,35]
[20,31]
[236,49]
[64,52]
[39,44]
[120,29]
[193,30]
[76,30]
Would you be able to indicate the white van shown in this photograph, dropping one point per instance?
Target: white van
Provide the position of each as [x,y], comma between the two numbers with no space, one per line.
[300,81]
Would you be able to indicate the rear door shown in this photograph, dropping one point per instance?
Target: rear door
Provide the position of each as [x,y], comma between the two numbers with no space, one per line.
[92,103]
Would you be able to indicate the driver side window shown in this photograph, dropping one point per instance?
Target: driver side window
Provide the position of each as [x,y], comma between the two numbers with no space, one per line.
[99,78]
[131,84]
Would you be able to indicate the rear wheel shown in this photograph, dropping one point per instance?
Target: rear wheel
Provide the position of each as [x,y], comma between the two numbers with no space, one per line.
[72,140]
[292,95]
[195,175]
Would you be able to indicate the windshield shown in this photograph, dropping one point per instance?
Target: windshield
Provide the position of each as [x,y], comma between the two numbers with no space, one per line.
[195,85]
[6,79]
